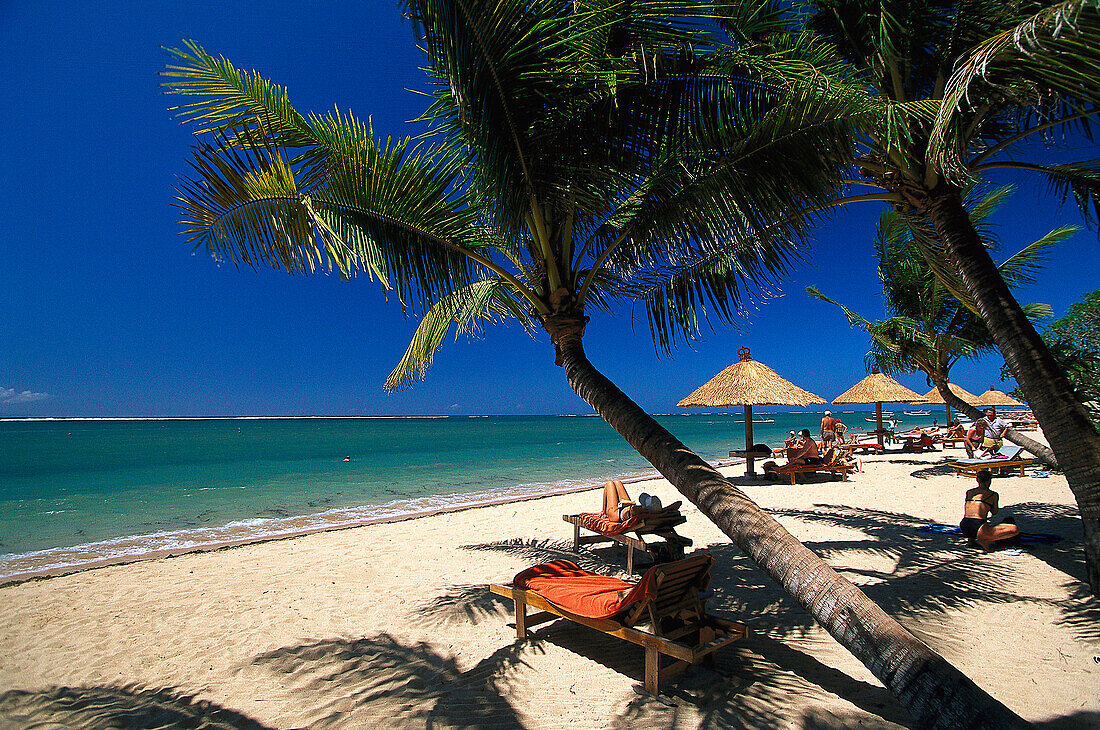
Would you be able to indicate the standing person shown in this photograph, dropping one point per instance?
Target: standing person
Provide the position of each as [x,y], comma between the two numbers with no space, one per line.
[995,428]
[828,430]
[974,438]
[981,504]
[840,429]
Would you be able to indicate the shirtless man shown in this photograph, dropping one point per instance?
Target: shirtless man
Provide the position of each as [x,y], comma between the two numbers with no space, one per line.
[804,451]
[981,504]
[828,430]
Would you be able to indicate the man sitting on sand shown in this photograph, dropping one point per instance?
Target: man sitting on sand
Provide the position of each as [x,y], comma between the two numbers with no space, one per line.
[619,507]
[982,503]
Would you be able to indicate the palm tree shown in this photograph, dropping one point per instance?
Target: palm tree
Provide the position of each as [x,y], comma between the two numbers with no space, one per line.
[942,94]
[582,154]
[928,328]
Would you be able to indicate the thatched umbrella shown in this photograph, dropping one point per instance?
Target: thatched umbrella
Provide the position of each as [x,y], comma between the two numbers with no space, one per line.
[877,388]
[993,397]
[748,383]
[933,398]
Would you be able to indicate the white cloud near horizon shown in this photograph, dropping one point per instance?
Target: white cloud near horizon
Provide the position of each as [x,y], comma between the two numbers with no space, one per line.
[10,395]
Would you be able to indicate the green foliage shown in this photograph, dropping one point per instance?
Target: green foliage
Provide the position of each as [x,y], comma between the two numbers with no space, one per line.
[582,154]
[928,328]
[1074,340]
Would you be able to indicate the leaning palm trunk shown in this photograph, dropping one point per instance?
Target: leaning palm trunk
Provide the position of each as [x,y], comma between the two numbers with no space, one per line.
[1038,450]
[1063,419]
[936,693]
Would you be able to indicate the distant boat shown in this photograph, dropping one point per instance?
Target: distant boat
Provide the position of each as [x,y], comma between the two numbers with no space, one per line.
[755,420]
[884,418]
[917,413]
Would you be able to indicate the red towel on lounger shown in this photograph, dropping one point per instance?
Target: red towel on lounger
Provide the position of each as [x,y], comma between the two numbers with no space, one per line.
[579,591]
[598,522]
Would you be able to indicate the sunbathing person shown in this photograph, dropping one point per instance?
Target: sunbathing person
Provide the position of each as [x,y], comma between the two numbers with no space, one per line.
[922,442]
[981,504]
[955,430]
[619,507]
[804,451]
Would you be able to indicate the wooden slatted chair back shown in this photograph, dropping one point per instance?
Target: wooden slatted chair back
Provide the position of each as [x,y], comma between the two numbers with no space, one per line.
[678,585]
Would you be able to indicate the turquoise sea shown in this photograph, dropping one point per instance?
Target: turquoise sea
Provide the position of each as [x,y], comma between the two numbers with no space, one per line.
[74,492]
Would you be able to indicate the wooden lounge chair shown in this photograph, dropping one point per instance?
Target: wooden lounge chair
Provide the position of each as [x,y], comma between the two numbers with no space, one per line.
[663,612]
[660,525]
[956,442]
[869,446]
[832,463]
[1012,460]
[917,442]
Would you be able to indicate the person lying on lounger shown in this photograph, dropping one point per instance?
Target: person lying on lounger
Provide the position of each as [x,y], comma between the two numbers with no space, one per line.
[805,451]
[981,504]
[619,507]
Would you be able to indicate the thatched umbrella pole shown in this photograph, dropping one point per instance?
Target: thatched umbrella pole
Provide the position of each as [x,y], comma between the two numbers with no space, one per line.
[747,383]
[749,470]
[877,388]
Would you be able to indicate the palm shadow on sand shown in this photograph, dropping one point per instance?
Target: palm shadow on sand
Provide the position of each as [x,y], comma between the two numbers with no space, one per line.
[927,573]
[124,706]
[381,679]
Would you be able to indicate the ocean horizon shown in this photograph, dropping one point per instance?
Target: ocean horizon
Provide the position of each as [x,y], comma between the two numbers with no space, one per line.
[77,492]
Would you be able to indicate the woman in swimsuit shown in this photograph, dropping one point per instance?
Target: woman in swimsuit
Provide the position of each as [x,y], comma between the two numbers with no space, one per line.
[981,504]
[619,507]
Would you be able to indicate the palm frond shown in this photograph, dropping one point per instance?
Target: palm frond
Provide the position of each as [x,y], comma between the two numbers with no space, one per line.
[468,308]
[231,99]
[1050,57]
[245,206]
[1021,268]
[1080,180]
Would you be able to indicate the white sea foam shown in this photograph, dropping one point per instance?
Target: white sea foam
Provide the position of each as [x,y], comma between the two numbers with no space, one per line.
[14,567]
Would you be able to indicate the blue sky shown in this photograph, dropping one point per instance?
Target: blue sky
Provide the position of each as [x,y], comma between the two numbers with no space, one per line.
[106,311]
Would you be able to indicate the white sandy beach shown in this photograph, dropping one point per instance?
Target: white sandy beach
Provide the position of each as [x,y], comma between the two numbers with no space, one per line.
[391,624]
